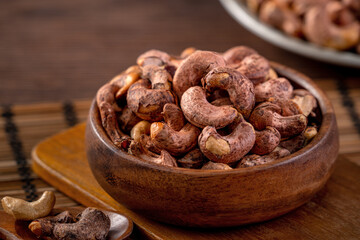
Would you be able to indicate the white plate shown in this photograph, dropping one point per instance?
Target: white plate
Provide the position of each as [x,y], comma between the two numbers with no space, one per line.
[246,18]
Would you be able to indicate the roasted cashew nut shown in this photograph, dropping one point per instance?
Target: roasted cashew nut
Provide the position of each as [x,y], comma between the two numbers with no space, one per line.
[266,141]
[193,159]
[193,68]
[23,210]
[240,89]
[230,148]
[274,88]
[142,127]
[175,142]
[153,57]
[298,142]
[127,119]
[269,114]
[138,150]
[235,55]
[255,67]
[255,160]
[92,224]
[281,17]
[173,116]
[215,166]
[158,76]
[331,35]
[198,111]
[305,100]
[148,103]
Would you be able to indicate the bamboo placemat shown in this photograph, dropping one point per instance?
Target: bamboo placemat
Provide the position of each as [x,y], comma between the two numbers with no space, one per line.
[23,126]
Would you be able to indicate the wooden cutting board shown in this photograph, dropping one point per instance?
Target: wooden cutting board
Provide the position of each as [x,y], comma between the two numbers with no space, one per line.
[334,213]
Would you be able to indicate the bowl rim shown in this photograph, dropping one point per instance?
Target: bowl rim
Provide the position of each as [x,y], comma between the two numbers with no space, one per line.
[248,20]
[328,121]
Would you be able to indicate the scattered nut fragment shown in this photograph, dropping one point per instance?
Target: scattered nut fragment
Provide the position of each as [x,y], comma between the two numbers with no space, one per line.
[92,224]
[230,148]
[198,111]
[23,210]
[215,166]
[255,160]
[240,89]
[45,226]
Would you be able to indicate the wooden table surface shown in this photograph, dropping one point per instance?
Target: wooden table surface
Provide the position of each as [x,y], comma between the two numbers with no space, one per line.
[54,51]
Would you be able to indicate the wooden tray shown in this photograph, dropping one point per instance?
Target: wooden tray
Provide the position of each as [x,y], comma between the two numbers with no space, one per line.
[332,214]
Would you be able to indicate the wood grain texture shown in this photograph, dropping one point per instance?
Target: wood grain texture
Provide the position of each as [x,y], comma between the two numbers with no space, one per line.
[56,50]
[334,212]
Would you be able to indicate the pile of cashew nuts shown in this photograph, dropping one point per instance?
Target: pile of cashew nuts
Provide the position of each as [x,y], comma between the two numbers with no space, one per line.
[329,23]
[206,110]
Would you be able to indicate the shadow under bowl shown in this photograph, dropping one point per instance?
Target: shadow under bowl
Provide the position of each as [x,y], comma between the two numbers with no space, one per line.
[217,198]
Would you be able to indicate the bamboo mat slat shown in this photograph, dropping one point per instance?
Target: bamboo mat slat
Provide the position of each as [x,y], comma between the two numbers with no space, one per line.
[38,121]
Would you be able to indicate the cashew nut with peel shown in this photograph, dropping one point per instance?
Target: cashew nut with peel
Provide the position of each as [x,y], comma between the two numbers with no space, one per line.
[138,150]
[255,67]
[175,142]
[269,114]
[298,142]
[148,103]
[153,57]
[266,141]
[158,76]
[173,116]
[254,160]
[215,166]
[320,29]
[240,89]
[23,210]
[127,119]
[198,111]
[235,55]
[305,100]
[92,224]
[193,159]
[273,88]
[193,68]
[230,148]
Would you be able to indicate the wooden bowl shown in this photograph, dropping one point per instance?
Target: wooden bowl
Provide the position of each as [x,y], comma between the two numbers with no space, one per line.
[217,198]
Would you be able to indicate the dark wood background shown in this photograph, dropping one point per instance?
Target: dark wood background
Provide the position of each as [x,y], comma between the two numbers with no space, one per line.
[64,50]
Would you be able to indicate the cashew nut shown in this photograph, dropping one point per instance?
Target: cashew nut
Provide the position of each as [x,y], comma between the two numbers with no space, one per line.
[269,114]
[127,119]
[187,52]
[125,80]
[173,116]
[175,142]
[193,68]
[148,103]
[139,129]
[320,29]
[305,100]
[45,226]
[230,148]
[215,166]
[240,89]
[266,141]
[193,159]
[159,77]
[92,224]
[296,143]
[255,160]
[153,57]
[198,111]
[255,67]
[22,210]
[274,88]
[281,17]
[235,55]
